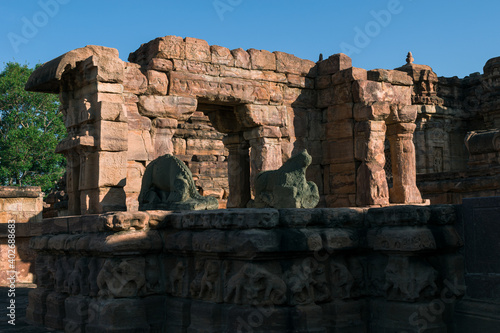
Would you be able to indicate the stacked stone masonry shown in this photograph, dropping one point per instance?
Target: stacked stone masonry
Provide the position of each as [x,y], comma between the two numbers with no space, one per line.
[307,270]
[457,156]
[20,219]
[229,115]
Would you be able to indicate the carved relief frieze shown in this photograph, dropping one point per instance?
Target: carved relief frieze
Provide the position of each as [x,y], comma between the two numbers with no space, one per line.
[122,277]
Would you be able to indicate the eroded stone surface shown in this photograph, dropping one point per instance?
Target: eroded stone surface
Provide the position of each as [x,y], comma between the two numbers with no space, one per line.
[230,261]
[286,187]
[182,97]
[20,219]
[168,184]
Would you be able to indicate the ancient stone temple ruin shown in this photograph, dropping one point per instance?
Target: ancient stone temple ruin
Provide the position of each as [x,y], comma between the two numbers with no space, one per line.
[229,115]
[372,256]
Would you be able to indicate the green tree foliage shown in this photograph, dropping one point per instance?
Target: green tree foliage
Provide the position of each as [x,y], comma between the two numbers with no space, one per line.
[30,128]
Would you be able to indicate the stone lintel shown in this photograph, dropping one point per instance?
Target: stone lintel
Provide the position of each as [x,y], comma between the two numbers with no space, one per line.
[482,142]
[47,77]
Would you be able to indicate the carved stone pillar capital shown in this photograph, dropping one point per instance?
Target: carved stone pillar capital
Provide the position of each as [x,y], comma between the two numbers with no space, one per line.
[400,130]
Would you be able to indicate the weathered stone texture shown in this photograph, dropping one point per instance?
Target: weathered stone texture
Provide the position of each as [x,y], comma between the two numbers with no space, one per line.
[198,270]
[286,187]
[447,109]
[230,115]
[182,96]
[20,219]
[168,184]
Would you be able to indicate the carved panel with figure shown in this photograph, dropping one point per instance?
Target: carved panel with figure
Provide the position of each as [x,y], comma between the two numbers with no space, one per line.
[122,277]
[255,285]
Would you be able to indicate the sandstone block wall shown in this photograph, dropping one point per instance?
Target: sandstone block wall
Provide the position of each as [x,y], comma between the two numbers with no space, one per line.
[452,161]
[201,147]
[23,205]
[121,115]
[245,95]
[362,109]
[230,114]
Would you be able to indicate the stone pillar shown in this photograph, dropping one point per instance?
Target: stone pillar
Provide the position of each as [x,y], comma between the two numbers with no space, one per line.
[265,150]
[89,81]
[97,142]
[72,182]
[163,132]
[238,170]
[371,178]
[404,188]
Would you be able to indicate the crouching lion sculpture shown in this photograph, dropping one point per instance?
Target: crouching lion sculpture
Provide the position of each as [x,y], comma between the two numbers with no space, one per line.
[168,185]
[286,187]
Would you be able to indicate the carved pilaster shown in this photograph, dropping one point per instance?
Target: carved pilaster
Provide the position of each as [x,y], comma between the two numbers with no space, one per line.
[371,178]
[404,190]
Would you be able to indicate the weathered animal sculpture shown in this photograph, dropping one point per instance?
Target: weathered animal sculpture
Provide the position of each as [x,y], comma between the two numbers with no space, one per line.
[168,185]
[286,187]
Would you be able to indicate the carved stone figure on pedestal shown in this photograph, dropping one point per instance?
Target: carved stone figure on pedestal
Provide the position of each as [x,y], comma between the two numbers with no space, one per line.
[286,187]
[77,281]
[168,185]
[195,286]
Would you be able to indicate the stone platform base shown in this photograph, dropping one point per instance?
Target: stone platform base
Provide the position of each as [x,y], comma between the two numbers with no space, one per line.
[247,270]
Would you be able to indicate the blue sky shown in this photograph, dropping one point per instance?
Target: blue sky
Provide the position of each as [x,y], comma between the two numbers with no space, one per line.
[454,37]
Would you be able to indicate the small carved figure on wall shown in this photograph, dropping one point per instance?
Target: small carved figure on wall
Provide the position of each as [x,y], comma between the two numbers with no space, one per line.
[210,281]
[176,279]
[408,279]
[342,279]
[77,280]
[195,285]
